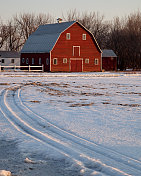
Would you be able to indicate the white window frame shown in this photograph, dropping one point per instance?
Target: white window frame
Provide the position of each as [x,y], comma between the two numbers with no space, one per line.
[40,60]
[76,47]
[33,60]
[23,60]
[68,37]
[27,61]
[65,60]
[55,61]
[84,37]
[47,61]
[87,61]
[96,61]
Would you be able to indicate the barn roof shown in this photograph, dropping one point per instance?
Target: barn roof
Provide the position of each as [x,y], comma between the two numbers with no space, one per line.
[45,37]
[9,54]
[108,53]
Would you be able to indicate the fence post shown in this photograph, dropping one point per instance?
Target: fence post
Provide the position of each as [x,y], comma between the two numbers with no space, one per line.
[29,68]
[42,67]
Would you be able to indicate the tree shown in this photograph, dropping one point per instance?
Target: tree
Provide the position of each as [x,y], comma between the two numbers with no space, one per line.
[14,34]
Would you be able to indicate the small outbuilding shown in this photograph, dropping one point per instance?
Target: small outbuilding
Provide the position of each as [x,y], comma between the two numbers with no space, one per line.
[9,58]
[62,47]
[109,60]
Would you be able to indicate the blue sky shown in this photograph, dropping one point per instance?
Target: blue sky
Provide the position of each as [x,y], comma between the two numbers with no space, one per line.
[109,8]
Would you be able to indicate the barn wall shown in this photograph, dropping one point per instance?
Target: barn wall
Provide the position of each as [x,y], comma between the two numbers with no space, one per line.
[36,57]
[109,63]
[64,49]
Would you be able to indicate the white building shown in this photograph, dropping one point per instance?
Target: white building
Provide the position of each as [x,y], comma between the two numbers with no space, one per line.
[9,58]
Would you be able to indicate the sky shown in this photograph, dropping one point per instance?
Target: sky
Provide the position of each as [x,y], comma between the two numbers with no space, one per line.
[108,8]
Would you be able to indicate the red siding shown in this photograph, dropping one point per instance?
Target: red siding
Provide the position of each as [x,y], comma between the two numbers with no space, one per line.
[70,49]
[76,66]
[109,63]
[36,57]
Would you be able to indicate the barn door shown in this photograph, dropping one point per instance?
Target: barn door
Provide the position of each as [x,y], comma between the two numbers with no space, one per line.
[76,65]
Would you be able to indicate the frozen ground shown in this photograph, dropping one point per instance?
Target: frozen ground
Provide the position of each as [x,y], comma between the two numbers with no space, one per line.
[70,124]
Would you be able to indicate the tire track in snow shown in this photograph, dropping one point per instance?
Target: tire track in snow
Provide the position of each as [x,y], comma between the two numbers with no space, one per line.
[32,131]
[109,153]
[128,161]
[20,127]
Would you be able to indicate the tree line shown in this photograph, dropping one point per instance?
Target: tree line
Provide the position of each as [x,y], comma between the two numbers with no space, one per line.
[122,35]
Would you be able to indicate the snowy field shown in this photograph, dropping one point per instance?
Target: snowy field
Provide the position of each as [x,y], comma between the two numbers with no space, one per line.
[56,124]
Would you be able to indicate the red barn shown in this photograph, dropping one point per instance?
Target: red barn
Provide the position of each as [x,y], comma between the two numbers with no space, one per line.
[65,47]
[109,60]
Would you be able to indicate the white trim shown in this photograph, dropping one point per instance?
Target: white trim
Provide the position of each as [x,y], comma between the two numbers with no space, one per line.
[88,60]
[101,62]
[84,36]
[68,36]
[65,60]
[76,47]
[75,59]
[56,61]
[82,64]
[50,61]
[96,61]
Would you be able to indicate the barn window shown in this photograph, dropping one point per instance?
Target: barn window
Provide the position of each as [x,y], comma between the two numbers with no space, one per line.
[23,60]
[96,61]
[55,61]
[83,36]
[86,61]
[64,60]
[27,61]
[32,60]
[12,61]
[47,61]
[40,61]
[2,60]
[68,36]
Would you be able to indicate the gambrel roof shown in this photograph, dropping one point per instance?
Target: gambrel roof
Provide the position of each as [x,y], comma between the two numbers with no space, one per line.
[45,37]
[108,53]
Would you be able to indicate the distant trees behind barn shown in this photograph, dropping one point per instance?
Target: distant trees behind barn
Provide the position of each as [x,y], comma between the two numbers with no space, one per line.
[123,36]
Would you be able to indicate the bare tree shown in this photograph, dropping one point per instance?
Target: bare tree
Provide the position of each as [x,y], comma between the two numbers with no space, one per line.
[3,34]
[27,23]
[14,34]
[125,40]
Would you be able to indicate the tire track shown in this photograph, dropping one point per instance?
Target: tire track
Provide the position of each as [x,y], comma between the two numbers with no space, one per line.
[17,120]
[22,128]
[109,153]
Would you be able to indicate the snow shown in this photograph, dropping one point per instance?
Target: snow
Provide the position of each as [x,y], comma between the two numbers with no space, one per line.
[88,122]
